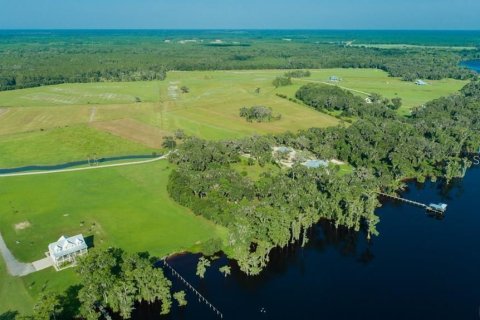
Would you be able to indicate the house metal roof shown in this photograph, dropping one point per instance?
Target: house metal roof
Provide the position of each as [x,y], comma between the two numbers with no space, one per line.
[315,163]
[66,246]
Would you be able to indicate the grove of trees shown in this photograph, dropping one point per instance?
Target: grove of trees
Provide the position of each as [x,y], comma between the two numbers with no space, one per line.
[258,114]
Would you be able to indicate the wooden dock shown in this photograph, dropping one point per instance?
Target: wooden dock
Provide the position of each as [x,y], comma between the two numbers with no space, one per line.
[414,203]
[189,286]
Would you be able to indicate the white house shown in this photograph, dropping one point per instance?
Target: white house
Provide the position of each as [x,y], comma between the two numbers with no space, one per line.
[334,79]
[420,83]
[65,251]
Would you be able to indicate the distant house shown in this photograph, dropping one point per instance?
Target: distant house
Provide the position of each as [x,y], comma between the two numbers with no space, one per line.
[420,83]
[315,163]
[334,79]
[65,251]
[283,149]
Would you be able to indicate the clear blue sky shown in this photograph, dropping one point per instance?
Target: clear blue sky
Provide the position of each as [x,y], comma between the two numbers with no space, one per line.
[241,14]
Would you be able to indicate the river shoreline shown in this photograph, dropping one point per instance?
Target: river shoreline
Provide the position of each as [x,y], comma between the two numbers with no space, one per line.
[416,261]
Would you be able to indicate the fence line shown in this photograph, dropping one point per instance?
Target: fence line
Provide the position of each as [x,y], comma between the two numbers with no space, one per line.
[188,285]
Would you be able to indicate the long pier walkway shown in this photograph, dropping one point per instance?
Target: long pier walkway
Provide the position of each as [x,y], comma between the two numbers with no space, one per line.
[189,286]
[415,203]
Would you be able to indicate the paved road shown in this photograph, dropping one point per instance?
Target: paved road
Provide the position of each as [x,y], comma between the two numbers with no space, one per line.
[14,267]
[85,168]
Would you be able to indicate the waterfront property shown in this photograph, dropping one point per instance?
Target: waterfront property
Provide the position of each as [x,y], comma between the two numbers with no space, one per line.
[65,251]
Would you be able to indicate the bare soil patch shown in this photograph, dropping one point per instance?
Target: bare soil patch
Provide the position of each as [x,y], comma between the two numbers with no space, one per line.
[22,225]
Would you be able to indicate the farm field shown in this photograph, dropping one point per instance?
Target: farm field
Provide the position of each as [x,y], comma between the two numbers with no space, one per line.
[52,124]
[127,207]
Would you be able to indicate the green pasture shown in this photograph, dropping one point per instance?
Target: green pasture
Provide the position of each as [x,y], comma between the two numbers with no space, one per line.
[36,124]
[126,207]
[71,143]
[65,122]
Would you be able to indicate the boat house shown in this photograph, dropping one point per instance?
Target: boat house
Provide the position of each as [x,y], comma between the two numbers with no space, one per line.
[65,251]
[440,207]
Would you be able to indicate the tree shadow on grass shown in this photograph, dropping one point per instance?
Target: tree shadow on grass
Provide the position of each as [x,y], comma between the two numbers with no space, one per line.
[9,315]
[70,303]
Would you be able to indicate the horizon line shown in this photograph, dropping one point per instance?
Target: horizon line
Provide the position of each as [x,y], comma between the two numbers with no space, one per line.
[230,29]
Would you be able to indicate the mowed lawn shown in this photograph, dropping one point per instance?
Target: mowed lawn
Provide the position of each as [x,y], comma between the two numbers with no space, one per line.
[125,207]
[14,296]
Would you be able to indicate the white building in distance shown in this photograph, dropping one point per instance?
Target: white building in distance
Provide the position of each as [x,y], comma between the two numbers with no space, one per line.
[65,251]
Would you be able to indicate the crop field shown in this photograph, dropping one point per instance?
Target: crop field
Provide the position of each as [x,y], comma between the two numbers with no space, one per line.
[127,207]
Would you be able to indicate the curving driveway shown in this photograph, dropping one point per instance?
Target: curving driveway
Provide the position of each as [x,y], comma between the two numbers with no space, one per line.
[14,267]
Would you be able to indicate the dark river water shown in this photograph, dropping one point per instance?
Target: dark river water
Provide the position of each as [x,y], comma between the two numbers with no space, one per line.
[418,268]
[472,65]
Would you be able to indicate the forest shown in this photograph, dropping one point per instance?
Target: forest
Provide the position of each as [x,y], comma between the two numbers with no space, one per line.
[30,60]
[277,209]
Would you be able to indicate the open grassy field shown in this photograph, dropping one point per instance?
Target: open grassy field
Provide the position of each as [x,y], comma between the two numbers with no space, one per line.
[64,144]
[139,114]
[127,207]
[111,204]
[63,122]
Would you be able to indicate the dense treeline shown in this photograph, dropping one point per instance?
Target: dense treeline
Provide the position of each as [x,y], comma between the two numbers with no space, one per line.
[277,209]
[41,59]
[297,74]
[273,211]
[324,97]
